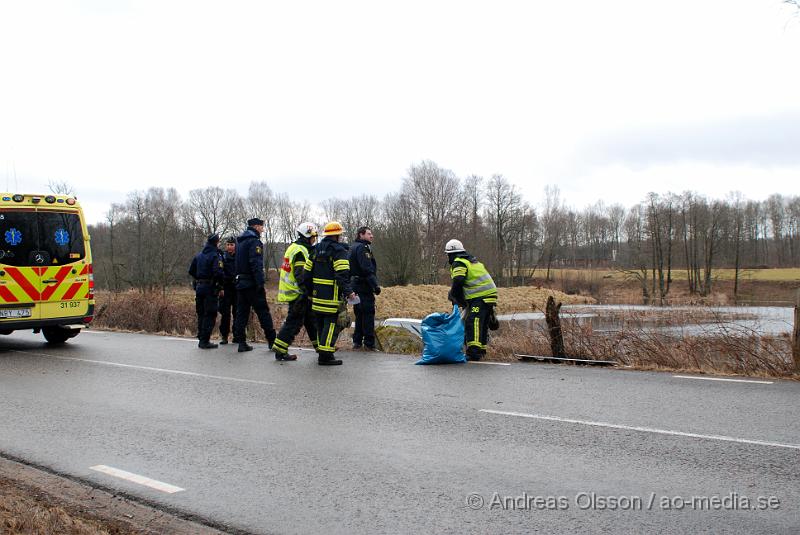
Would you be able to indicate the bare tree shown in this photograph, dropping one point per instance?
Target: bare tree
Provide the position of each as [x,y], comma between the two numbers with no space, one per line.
[60,187]
[433,192]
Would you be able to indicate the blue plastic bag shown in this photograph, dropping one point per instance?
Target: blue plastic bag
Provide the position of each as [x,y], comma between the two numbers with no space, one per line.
[443,338]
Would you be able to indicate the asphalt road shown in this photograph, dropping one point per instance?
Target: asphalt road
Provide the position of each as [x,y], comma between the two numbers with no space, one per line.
[382,446]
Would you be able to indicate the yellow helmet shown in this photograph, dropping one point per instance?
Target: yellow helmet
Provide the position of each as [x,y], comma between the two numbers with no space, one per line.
[333,228]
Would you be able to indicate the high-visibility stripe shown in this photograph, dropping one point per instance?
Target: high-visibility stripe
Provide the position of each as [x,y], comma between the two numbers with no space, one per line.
[24,283]
[72,291]
[51,288]
[85,270]
[7,296]
[329,282]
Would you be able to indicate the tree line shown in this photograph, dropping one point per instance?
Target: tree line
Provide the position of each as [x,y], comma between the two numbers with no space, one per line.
[147,241]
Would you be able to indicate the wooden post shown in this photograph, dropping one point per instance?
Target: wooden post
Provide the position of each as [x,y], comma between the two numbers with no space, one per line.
[554,327]
[796,334]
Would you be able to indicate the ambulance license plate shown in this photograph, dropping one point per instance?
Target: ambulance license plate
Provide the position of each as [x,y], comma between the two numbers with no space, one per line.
[15,312]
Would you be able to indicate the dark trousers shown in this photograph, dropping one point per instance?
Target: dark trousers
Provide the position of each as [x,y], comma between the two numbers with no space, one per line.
[476,327]
[364,332]
[299,315]
[327,332]
[205,305]
[255,298]
[227,309]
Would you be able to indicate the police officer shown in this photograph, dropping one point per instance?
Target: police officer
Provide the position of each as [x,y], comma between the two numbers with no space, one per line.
[207,271]
[472,289]
[291,291]
[227,303]
[327,280]
[250,281]
[363,269]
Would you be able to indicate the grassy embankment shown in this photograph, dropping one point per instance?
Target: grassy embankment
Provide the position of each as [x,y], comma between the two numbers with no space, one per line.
[736,350]
[26,510]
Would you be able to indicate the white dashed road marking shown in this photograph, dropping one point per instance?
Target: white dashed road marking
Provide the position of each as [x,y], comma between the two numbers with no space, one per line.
[136,478]
[147,368]
[721,379]
[646,429]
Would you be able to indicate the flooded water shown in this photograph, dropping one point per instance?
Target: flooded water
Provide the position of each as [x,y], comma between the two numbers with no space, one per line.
[689,321]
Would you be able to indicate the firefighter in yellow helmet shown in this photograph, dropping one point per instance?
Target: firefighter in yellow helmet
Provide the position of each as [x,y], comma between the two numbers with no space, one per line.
[473,290]
[291,291]
[327,280]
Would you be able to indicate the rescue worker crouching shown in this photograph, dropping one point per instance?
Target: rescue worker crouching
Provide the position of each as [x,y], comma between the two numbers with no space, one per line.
[207,271]
[250,281]
[227,303]
[474,290]
[327,280]
[363,270]
[292,291]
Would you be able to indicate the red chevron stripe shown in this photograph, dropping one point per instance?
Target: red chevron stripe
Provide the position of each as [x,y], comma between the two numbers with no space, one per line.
[72,291]
[26,286]
[7,296]
[85,270]
[51,288]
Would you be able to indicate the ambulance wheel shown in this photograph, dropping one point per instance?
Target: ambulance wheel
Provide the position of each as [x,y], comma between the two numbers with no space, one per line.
[55,335]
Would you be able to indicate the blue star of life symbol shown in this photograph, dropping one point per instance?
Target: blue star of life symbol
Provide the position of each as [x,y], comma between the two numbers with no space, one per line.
[13,236]
[62,237]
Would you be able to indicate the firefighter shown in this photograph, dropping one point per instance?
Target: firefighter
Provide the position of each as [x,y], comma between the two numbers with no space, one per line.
[473,290]
[291,291]
[227,303]
[207,271]
[327,281]
[250,282]
[363,270]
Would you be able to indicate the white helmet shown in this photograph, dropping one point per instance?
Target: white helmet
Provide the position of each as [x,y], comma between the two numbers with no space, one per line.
[307,229]
[454,246]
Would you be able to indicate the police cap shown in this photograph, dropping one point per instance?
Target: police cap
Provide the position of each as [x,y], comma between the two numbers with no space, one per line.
[214,238]
[254,221]
[231,239]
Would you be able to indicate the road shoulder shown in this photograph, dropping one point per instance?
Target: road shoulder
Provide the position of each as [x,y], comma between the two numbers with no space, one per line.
[34,498]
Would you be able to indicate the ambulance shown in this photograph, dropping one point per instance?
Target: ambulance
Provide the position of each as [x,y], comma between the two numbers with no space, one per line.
[46,281]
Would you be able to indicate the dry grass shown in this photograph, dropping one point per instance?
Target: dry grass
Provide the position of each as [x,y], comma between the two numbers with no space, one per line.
[419,301]
[174,313]
[735,350]
[26,511]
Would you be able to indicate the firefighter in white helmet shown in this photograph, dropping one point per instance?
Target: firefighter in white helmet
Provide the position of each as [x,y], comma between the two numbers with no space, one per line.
[474,291]
[292,291]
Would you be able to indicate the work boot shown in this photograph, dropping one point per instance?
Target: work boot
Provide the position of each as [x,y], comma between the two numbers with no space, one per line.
[326,359]
[206,345]
[224,341]
[473,356]
[284,356]
[244,346]
[357,347]
[371,349]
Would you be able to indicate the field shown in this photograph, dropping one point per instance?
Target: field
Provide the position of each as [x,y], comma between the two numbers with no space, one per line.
[722,274]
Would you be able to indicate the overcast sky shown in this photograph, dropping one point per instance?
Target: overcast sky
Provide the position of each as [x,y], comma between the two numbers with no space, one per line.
[608,100]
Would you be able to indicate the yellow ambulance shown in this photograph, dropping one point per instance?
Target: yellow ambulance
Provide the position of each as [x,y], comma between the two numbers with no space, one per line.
[46,281]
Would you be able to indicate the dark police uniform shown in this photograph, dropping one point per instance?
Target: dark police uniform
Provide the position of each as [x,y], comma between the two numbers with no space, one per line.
[292,291]
[363,269]
[250,287]
[227,304]
[327,280]
[207,270]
